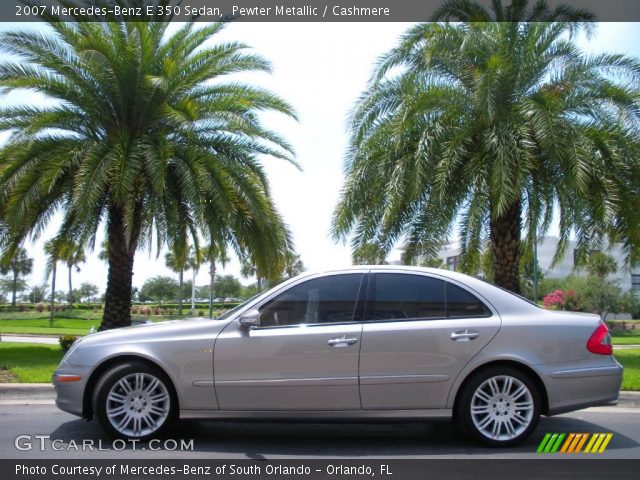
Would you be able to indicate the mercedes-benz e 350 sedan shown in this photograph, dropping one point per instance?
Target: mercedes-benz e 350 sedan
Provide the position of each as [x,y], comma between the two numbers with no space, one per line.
[366,343]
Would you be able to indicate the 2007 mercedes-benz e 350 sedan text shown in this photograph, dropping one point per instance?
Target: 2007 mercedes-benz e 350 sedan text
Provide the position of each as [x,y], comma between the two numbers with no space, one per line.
[366,343]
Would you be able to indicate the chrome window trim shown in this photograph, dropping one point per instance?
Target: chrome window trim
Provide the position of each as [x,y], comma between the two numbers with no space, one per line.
[266,297]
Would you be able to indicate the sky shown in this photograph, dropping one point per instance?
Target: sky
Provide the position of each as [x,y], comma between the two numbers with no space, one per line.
[320,69]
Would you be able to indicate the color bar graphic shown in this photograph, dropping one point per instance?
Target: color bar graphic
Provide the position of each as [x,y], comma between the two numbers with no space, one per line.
[553,442]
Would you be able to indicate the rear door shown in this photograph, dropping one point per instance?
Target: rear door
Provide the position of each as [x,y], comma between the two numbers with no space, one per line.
[419,331]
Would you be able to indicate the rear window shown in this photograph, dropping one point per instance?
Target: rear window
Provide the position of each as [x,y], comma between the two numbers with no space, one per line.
[461,303]
[395,296]
[406,296]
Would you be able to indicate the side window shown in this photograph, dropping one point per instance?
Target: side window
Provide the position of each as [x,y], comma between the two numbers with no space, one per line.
[329,299]
[402,296]
[464,304]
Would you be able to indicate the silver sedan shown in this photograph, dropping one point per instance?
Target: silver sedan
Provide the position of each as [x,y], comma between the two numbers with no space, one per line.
[366,343]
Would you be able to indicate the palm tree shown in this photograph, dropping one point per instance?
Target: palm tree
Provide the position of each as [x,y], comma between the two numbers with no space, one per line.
[194,260]
[140,140]
[369,254]
[52,252]
[19,265]
[293,264]
[73,255]
[516,11]
[249,269]
[598,264]
[214,253]
[177,260]
[483,124]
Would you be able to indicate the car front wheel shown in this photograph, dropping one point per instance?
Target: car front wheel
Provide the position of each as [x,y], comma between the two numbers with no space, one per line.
[500,407]
[134,401]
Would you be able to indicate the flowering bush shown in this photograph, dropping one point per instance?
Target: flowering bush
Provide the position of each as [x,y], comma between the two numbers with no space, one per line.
[562,300]
[554,301]
[572,301]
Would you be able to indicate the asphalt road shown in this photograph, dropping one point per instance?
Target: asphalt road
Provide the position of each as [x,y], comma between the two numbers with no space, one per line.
[233,440]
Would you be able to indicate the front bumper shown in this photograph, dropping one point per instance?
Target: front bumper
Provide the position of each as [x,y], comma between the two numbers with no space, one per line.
[70,394]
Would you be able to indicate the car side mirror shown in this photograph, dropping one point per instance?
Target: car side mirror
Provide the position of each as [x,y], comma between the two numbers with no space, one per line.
[250,319]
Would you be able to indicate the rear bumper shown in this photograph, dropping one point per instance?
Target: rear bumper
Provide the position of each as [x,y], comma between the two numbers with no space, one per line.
[570,389]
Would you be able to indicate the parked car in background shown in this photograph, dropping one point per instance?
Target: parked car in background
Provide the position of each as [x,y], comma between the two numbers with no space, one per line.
[365,343]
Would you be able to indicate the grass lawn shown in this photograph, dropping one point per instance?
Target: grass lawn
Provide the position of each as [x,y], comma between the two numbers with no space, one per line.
[61,326]
[630,359]
[28,362]
[77,314]
[76,322]
[628,337]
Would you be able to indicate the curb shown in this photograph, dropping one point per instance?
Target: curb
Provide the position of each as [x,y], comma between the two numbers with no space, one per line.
[629,399]
[50,335]
[26,391]
[46,391]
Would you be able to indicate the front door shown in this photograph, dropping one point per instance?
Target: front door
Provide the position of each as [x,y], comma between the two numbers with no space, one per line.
[304,355]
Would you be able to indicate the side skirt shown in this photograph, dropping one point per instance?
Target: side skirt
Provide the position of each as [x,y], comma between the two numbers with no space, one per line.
[318,415]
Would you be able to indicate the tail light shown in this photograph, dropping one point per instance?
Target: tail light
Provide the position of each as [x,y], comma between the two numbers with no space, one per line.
[600,341]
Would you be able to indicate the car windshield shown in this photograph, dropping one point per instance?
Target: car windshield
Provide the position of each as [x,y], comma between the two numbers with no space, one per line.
[228,313]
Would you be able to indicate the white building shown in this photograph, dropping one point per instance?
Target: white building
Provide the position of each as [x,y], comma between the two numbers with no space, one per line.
[627,280]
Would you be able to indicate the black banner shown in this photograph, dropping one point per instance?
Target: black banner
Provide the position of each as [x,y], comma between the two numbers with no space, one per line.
[455,469]
[271,10]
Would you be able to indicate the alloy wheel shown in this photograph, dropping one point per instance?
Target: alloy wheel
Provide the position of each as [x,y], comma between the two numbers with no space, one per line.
[502,408]
[138,404]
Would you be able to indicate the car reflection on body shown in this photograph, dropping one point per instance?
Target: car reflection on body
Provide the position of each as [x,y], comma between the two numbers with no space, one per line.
[360,344]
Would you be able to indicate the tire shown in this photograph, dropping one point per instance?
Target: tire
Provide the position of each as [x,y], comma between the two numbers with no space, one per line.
[134,400]
[499,407]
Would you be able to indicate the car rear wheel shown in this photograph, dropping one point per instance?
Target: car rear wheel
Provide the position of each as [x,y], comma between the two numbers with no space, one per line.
[499,406]
[134,401]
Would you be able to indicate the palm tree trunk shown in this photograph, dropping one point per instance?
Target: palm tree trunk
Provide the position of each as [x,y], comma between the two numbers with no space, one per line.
[181,283]
[193,292]
[212,285]
[70,296]
[117,307]
[505,247]
[15,288]
[53,293]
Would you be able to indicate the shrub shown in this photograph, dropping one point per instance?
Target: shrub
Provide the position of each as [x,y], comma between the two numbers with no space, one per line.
[572,301]
[40,307]
[554,300]
[66,341]
[562,300]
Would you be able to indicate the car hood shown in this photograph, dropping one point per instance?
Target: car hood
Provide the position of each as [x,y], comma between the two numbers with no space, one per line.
[151,331]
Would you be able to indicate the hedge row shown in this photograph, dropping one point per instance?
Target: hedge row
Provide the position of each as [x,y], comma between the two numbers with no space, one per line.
[45,306]
[29,307]
[186,305]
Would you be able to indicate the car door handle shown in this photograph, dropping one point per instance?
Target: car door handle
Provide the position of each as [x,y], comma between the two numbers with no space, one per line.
[341,342]
[464,336]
